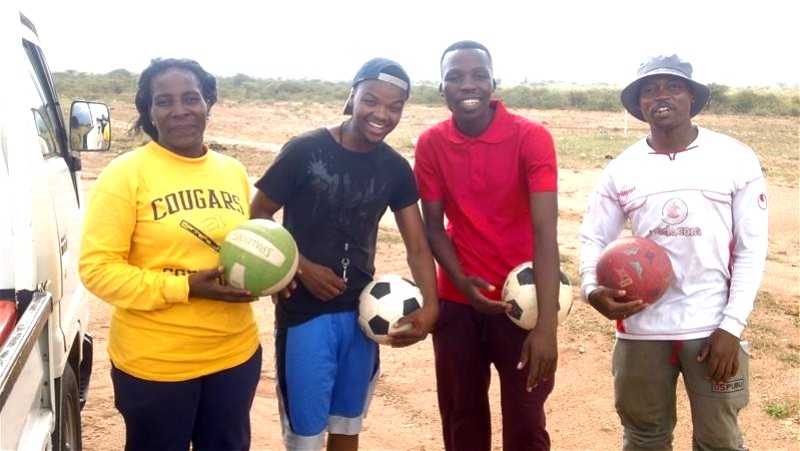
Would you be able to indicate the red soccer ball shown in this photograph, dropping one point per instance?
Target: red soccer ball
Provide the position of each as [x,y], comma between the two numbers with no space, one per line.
[637,265]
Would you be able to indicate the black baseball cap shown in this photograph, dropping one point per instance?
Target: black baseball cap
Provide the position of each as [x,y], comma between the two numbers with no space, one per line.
[379,69]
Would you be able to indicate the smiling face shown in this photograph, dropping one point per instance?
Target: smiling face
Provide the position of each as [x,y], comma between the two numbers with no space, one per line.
[377,109]
[666,101]
[179,111]
[467,87]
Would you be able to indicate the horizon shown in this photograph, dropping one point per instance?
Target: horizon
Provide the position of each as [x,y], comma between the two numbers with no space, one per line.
[501,83]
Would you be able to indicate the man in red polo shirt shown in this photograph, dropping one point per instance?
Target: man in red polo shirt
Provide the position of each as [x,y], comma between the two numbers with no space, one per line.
[493,174]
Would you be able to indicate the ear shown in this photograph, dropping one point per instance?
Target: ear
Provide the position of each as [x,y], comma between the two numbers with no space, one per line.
[441,90]
[494,84]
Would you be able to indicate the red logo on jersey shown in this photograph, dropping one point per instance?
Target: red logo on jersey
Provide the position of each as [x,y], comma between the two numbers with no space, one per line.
[674,211]
[762,201]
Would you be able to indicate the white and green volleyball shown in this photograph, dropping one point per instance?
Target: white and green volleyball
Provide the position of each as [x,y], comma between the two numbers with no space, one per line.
[259,255]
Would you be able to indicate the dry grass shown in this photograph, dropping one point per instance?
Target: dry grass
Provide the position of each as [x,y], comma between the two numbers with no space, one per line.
[586,140]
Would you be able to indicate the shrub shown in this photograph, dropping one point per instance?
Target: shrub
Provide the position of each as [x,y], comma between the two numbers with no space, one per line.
[120,84]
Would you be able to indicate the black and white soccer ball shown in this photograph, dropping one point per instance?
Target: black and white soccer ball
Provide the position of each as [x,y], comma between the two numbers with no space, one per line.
[384,301]
[519,290]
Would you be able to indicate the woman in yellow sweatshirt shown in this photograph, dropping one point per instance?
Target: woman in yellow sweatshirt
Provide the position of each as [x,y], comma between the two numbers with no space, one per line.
[184,347]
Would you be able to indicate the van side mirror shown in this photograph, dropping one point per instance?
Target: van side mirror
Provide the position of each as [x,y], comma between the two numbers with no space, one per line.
[89,126]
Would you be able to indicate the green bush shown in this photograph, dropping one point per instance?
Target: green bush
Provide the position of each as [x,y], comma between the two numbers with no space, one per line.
[121,85]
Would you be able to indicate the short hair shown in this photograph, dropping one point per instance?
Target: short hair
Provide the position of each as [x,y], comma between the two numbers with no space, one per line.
[465,45]
[144,93]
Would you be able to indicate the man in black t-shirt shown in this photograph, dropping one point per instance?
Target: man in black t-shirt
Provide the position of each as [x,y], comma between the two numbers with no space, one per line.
[334,185]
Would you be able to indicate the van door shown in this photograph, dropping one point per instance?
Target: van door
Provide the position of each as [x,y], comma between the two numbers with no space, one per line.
[60,264]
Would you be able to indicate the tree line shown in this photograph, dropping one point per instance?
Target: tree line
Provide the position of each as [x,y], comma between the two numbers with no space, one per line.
[121,85]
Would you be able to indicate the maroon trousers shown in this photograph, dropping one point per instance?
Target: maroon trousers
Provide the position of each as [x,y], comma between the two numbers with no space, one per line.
[465,344]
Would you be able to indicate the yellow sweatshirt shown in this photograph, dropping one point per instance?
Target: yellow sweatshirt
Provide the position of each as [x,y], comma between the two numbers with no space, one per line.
[153,218]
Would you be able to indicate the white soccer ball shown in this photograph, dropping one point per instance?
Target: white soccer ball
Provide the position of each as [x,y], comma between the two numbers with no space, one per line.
[519,290]
[384,301]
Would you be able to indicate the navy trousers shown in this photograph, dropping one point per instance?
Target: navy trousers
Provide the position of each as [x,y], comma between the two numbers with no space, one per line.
[209,413]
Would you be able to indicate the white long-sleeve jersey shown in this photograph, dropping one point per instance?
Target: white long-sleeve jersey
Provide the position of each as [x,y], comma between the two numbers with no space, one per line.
[707,206]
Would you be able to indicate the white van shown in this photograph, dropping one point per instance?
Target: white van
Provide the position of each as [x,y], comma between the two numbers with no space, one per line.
[45,348]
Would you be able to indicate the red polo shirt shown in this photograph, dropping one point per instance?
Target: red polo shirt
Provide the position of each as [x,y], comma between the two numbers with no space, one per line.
[484,183]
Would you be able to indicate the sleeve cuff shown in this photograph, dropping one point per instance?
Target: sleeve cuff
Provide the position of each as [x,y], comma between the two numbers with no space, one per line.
[732,326]
[176,290]
[586,289]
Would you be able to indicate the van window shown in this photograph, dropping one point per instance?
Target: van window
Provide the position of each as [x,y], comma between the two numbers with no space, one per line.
[46,141]
[41,108]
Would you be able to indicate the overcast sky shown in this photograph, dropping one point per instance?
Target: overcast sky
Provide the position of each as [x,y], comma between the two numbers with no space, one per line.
[735,43]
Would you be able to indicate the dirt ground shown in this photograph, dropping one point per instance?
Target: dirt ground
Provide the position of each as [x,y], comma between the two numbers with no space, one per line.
[581,416]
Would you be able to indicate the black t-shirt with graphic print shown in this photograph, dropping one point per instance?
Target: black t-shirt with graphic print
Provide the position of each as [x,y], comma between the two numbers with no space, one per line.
[333,200]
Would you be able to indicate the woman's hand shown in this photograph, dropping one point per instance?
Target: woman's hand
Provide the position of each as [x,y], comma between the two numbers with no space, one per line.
[206,284]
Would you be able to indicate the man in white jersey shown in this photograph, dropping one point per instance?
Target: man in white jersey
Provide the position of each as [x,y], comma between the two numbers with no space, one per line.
[700,195]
